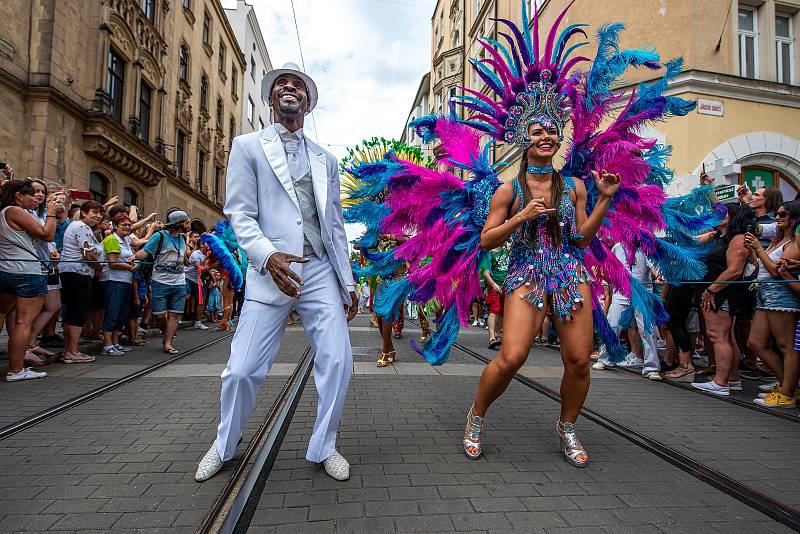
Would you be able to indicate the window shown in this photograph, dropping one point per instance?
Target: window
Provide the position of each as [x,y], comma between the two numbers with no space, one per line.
[187,4]
[130,197]
[206,29]
[785,48]
[219,113]
[253,67]
[221,59]
[250,109]
[748,43]
[217,182]
[203,92]
[98,187]
[116,83]
[234,80]
[149,8]
[439,103]
[260,124]
[145,102]
[201,171]
[231,131]
[183,63]
[180,153]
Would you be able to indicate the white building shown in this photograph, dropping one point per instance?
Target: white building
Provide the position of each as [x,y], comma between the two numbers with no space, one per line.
[255,112]
[420,108]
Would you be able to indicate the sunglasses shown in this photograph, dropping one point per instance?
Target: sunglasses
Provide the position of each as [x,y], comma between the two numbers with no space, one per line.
[781,214]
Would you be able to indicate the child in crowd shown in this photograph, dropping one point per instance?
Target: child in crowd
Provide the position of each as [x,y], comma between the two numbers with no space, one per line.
[214,304]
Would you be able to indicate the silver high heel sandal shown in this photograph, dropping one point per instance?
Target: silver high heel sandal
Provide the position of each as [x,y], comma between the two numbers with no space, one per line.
[573,451]
[472,435]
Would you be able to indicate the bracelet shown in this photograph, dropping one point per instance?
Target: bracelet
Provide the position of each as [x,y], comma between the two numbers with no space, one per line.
[710,292]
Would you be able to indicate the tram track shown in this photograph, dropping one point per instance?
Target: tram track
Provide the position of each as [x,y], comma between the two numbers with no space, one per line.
[235,506]
[33,420]
[770,507]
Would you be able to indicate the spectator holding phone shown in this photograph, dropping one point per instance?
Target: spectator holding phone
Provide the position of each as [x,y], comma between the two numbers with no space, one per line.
[78,266]
[764,202]
[23,283]
[168,284]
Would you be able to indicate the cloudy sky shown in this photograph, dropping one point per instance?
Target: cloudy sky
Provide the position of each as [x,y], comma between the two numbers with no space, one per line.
[366,57]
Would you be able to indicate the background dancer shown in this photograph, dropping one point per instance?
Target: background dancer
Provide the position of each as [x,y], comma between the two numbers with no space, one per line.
[292,196]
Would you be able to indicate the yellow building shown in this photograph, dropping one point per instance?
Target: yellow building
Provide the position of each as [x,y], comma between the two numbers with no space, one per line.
[131,98]
[741,67]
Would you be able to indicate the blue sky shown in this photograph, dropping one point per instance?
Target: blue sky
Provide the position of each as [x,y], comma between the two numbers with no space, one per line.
[366,57]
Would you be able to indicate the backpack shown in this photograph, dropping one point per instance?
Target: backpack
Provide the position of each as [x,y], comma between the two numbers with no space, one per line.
[146,266]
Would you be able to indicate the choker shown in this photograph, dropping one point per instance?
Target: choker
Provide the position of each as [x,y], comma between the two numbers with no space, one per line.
[536,169]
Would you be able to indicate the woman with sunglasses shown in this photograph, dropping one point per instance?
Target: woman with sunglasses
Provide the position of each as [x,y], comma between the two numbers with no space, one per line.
[23,282]
[777,306]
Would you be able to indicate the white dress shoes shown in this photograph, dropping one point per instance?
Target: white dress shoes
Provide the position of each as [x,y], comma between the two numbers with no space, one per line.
[209,465]
[336,466]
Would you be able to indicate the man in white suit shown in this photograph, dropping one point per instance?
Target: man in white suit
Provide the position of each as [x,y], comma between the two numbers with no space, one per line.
[282,198]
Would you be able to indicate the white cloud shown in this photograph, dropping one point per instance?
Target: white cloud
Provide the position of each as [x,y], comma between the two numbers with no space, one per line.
[366,57]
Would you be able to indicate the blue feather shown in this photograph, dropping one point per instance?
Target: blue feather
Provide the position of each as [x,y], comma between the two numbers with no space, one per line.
[221,253]
[614,348]
[648,304]
[390,296]
[425,127]
[436,350]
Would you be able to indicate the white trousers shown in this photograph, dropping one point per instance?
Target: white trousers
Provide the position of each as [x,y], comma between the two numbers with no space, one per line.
[254,348]
[648,340]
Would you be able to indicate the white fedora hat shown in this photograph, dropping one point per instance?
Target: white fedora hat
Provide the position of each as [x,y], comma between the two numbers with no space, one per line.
[289,68]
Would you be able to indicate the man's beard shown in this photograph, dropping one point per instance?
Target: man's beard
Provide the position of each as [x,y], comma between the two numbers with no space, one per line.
[289,108]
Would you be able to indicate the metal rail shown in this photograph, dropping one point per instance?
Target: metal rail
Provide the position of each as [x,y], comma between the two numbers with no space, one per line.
[236,505]
[35,419]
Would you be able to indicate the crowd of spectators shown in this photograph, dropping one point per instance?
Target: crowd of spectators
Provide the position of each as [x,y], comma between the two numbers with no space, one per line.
[100,271]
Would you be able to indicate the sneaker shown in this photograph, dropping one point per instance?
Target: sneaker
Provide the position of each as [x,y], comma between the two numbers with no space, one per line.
[475,322]
[26,374]
[750,374]
[735,385]
[599,365]
[198,325]
[770,386]
[632,362]
[661,344]
[336,466]
[713,388]
[653,375]
[556,344]
[209,465]
[78,357]
[111,350]
[123,348]
[776,399]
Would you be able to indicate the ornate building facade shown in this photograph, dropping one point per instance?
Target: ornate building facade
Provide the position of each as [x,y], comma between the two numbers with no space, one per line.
[741,64]
[131,98]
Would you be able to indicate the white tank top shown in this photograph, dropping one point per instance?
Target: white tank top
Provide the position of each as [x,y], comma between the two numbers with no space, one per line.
[18,250]
[775,255]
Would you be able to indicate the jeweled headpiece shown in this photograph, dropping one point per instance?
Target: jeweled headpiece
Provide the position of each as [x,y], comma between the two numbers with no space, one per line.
[529,86]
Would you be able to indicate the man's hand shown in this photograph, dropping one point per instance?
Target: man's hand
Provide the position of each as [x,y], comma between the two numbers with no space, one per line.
[283,275]
[353,308]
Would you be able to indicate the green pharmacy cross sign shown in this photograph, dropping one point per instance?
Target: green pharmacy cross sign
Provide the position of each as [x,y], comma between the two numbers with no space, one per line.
[758,178]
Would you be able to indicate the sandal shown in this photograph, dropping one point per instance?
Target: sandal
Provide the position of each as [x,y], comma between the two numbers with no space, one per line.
[681,374]
[39,351]
[138,341]
[472,435]
[574,452]
[78,357]
[33,359]
[171,350]
[384,360]
[392,356]
[494,343]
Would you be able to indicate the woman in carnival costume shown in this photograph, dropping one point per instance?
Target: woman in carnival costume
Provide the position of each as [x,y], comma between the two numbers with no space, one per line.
[611,187]
[368,209]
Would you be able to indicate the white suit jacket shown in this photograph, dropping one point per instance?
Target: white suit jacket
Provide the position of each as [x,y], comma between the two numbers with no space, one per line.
[261,204]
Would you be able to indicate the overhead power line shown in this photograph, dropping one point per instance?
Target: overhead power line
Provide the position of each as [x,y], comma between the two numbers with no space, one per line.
[303,64]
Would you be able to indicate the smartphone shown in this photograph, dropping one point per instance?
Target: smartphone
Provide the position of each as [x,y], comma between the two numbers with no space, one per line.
[81,195]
